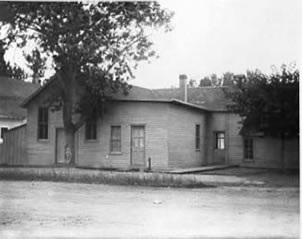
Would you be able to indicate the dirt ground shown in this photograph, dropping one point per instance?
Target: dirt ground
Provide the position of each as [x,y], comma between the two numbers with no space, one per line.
[73,210]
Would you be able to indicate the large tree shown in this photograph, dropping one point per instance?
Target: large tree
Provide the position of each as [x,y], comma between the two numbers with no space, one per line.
[95,44]
[268,103]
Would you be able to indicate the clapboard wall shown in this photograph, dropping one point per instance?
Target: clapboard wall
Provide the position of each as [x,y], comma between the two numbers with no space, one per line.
[13,149]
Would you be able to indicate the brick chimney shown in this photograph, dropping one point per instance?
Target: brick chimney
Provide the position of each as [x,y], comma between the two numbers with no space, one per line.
[183,86]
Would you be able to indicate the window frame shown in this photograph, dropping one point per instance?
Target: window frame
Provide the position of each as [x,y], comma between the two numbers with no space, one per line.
[43,124]
[197,137]
[119,139]
[91,129]
[217,140]
[248,148]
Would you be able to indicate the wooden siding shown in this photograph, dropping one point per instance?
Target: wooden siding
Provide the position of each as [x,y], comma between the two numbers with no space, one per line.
[152,115]
[182,152]
[41,152]
[13,148]
[235,140]
[228,123]
[10,124]
[267,153]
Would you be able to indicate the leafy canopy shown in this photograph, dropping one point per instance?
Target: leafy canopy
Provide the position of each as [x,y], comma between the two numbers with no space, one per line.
[215,81]
[97,43]
[37,64]
[267,103]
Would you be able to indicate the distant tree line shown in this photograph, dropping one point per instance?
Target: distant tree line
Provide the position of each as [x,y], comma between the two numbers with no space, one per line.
[227,79]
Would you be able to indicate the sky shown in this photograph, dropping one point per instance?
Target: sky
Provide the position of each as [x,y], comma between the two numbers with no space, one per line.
[216,36]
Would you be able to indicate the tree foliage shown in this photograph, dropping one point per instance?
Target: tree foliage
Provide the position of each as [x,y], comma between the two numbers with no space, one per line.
[205,81]
[215,81]
[3,64]
[94,44]
[192,83]
[37,64]
[268,103]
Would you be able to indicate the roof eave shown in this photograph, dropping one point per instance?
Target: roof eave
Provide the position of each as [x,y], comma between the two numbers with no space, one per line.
[173,101]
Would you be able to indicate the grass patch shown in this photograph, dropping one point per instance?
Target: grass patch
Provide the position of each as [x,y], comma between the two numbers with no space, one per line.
[101,177]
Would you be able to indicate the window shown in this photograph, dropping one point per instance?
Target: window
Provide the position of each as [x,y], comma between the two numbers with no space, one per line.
[3,130]
[91,129]
[197,137]
[248,148]
[115,139]
[219,140]
[43,123]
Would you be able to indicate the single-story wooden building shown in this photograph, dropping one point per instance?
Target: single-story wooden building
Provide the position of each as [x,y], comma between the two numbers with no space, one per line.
[162,129]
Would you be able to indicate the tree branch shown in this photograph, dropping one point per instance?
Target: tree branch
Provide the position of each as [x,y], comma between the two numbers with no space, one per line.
[125,48]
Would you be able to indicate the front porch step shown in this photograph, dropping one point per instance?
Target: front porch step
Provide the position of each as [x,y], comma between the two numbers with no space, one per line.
[201,169]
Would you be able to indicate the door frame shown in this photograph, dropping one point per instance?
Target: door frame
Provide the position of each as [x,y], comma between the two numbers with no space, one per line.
[56,148]
[215,150]
[144,157]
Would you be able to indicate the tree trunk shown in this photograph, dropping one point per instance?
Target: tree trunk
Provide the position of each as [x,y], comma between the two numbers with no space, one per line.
[68,103]
[69,129]
[70,146]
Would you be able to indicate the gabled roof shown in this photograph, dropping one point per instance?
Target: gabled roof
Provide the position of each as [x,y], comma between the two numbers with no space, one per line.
[34,94]
[212,98]
[205,98]
[12,94]
[135,93]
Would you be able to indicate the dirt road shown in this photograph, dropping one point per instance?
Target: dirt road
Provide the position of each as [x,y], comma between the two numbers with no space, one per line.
[46,209]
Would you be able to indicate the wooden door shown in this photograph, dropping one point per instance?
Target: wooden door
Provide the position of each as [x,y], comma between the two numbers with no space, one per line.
[138,146]
[60,146]
[219,148]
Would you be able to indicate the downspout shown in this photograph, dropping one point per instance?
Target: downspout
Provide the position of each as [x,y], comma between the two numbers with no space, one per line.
[228,139]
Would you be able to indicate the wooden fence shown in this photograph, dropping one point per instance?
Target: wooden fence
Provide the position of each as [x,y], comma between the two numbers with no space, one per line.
[13,148]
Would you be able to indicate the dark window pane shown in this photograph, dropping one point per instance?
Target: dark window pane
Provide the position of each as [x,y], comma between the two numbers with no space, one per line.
[197,136]
[91,129]
[115,140]
[248,148]
[43,123]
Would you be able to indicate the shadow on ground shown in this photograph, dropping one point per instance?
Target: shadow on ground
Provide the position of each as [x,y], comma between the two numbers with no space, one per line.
[270,177]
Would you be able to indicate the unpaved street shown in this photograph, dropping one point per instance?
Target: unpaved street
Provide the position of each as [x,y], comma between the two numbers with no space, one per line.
[46,209]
